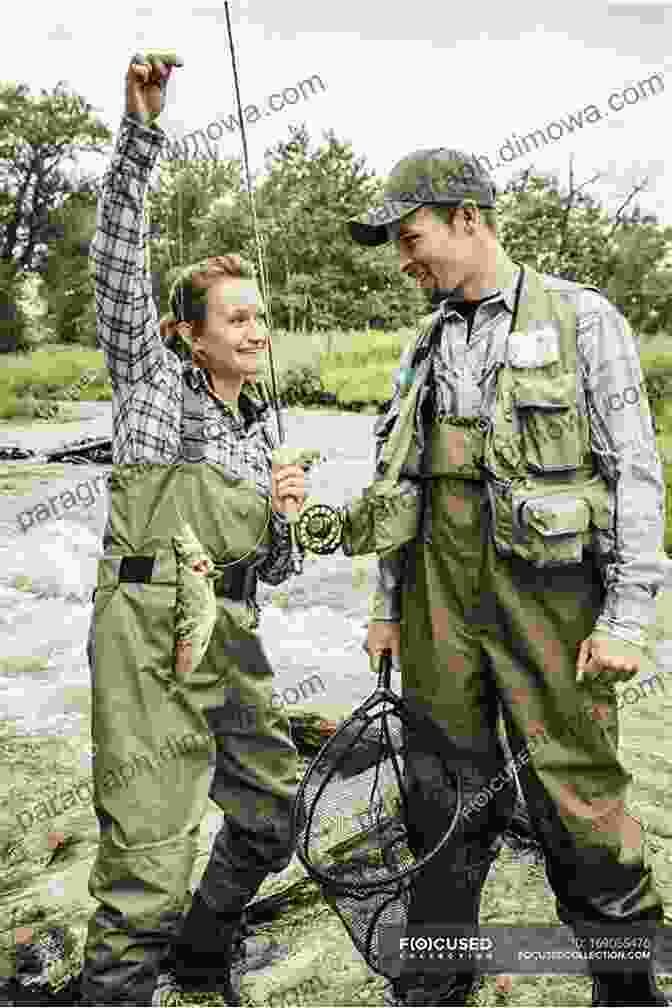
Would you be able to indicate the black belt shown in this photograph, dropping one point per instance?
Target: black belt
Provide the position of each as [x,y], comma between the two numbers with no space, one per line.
[238,582]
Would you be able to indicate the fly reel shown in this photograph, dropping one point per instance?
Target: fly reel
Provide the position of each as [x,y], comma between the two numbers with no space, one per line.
[319,529]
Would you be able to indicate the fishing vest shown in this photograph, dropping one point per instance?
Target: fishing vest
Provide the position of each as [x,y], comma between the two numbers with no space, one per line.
[532,453]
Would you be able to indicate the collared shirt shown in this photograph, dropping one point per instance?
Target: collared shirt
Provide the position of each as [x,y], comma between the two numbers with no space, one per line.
[610,392]
[147,377]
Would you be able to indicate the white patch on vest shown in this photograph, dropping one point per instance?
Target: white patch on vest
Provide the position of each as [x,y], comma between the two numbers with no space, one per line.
[535,347]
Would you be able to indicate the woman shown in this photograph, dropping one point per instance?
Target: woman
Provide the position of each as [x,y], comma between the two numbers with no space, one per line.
[172,647]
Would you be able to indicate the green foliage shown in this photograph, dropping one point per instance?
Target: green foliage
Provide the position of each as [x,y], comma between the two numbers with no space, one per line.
[31,385]
[181,207]
[302,386]
[40,140]
[319,277]
[14,327]
[68,283]
[370,385]
[571,235]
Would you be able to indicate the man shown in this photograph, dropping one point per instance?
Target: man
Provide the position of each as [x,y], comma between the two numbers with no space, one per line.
[534,574]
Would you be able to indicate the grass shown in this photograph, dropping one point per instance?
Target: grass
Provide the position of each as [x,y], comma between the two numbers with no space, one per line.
[361,367]
[44,873]
[50,374]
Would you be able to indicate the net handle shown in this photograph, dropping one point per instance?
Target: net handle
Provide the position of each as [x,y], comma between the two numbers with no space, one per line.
[385,671]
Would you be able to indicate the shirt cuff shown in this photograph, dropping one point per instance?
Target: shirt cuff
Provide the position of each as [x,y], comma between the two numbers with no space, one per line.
[385,606]
[626,647]
[628,614]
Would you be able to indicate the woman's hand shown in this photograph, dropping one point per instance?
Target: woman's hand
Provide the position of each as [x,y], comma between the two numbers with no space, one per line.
[146,82]
[288,481]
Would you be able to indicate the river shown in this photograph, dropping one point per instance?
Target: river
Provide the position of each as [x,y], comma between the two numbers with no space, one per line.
[312,624]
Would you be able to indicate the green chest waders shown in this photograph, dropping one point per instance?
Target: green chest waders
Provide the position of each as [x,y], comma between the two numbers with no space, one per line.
[180,684]
[500,590]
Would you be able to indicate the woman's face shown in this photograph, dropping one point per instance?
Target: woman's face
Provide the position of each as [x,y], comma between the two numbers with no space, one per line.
[233,337]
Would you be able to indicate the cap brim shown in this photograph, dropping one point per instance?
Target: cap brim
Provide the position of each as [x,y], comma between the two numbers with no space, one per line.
[371,229]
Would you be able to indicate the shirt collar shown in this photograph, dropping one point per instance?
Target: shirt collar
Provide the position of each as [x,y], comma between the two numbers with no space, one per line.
[251,405]
[506,277]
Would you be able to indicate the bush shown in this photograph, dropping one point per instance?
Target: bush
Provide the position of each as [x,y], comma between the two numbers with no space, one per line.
[302,386]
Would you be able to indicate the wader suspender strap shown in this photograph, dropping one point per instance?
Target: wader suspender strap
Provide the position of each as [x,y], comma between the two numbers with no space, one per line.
[516,302]
[237,582]
[193,419]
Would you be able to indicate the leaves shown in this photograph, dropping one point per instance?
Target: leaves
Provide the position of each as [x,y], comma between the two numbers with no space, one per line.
[319,278]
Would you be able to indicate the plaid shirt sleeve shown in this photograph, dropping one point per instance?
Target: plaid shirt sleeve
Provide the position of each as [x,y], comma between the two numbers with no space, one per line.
[126,321]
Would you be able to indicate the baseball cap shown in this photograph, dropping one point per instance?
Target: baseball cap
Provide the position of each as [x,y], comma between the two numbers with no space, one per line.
[442,176]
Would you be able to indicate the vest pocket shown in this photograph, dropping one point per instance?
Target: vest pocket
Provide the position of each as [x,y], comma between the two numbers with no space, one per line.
[554,528]
[549,529]
[549,424]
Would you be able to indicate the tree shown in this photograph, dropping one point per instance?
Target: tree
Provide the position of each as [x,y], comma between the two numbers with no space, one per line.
[571,235]
[14,335]
[195,210]
[305,202]
[319,277]
[38,137]
[67,281]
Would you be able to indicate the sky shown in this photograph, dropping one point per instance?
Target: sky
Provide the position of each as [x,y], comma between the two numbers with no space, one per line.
[396,78]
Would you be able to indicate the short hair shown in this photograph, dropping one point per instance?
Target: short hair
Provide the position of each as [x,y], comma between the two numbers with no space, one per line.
[447,215]
[189,292]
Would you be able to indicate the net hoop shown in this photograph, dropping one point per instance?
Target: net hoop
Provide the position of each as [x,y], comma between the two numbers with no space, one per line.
[303,817]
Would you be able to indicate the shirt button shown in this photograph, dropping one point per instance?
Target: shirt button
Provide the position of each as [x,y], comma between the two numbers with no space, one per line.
[213,429]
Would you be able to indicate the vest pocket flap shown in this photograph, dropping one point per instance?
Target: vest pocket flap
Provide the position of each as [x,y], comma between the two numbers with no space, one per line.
[543,392]
[551,516]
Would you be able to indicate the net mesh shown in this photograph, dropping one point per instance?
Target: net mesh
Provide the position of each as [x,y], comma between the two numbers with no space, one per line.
[355,834]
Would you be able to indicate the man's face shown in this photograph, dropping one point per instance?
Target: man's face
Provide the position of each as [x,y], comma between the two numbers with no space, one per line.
[438,256]
[234,336]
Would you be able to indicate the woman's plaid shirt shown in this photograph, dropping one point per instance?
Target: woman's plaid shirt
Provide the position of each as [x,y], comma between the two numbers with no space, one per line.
[147,378]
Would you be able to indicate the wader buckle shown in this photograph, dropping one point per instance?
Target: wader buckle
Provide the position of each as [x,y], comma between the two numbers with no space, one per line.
[136,568]
[237,583]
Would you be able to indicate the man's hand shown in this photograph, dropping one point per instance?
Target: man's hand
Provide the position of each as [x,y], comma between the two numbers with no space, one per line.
[146,82]
[607,660]
[288,481]
[383,634]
